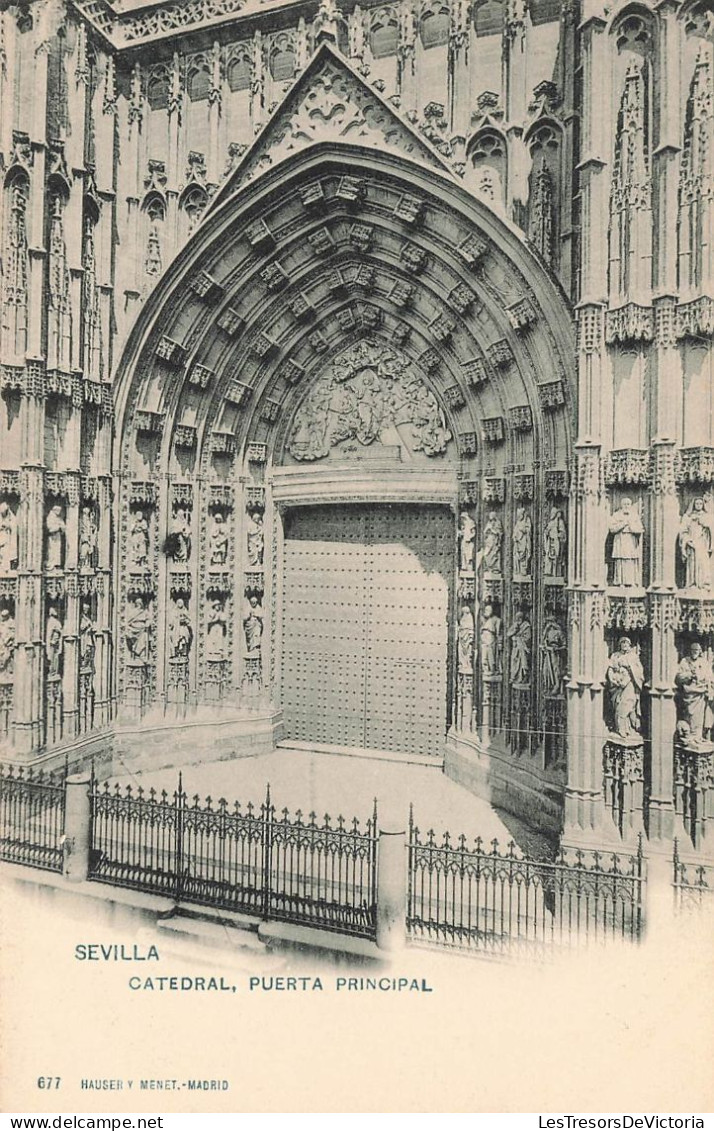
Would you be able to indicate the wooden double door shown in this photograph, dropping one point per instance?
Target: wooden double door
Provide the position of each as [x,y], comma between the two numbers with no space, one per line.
[367,591]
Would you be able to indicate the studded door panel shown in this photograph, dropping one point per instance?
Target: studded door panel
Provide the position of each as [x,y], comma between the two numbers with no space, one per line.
[365,636]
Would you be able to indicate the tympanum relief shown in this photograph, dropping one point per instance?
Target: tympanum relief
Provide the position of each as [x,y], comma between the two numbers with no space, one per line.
[368,395]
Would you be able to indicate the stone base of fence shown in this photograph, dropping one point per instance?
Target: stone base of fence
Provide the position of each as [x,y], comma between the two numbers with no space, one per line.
[391,891]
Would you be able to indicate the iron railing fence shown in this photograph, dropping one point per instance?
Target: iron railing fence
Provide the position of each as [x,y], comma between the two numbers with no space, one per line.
[692,882]
[500,901]
[32,810]
[246,859]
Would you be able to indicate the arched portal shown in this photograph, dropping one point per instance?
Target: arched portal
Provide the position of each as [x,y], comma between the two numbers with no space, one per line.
[348,333]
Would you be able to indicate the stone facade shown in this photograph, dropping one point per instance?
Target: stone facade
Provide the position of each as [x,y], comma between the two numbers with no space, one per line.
[441,253]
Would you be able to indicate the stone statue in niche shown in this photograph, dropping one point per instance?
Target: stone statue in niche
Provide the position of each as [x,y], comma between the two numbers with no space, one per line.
[696,542]
[87,538]
[624,680]
[55,527]
[490,640]
[256,539]
[520,634]
[492,544]
[552,648]
[370,395]
[7,642]
[137,631]
[695,693]
[467,538]
[8,538]
[87,639]
[180,631]
[218,540]
[180,536]
[253,625]
[54,634]
[139,541]
[522,543]
[626,528]
[466,637]
[554,538]
[216,630]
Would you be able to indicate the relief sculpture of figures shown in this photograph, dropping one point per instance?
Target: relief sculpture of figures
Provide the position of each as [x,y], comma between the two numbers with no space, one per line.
[216,629]
[492,543]
[137,631]
[7,642]
[489,638]
[695,686]
[55,527]
[554,539]
[53,643]
[626,528]
[180,631]
[253,626]
[8,538]
[522,543]
[696,542]
[139,541]
[218,540]
[87,640]
[625,679]
[180,536]
[553,649]
[520,634]
[466,640]
[256,539]
[467,537]
[87,538]
[371,395]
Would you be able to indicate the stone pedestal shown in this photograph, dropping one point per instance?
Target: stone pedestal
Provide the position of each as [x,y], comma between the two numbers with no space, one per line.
[623,783]
[694,788]
[391,891]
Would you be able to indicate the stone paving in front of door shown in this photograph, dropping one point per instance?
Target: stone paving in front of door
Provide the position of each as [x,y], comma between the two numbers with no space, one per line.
[338,784]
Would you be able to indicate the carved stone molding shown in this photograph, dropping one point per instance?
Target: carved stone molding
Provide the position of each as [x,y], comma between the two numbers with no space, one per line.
[663,612]
[629,323]
[257,452]
[230,322]
[663,464]
[493,489]
[590,328]
[696,614]
[695,319]
[205,286]
[627,465]
[185,436]
[473,249]
[475,372]
[520,418]
[695,465]
[493,430]
[500,354]
[551,395]
[523,488]
[200,376]
[151,423]
[626,612]
[522,314]
[171,352]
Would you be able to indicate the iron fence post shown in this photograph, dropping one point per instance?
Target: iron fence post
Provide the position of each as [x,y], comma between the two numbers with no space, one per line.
[179,800]
[267,846]
[77,826]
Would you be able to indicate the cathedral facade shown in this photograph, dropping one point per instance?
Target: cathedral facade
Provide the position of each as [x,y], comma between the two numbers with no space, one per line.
[356,374]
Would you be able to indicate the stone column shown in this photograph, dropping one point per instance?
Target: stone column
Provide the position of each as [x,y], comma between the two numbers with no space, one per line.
[663,616]
[77,826]
[391,891]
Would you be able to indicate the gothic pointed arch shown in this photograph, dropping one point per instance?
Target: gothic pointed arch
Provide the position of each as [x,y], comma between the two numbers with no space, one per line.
[347,326]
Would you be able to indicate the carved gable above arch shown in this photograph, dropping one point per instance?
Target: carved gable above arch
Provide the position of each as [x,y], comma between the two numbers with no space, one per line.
[331,102]
[369,400]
